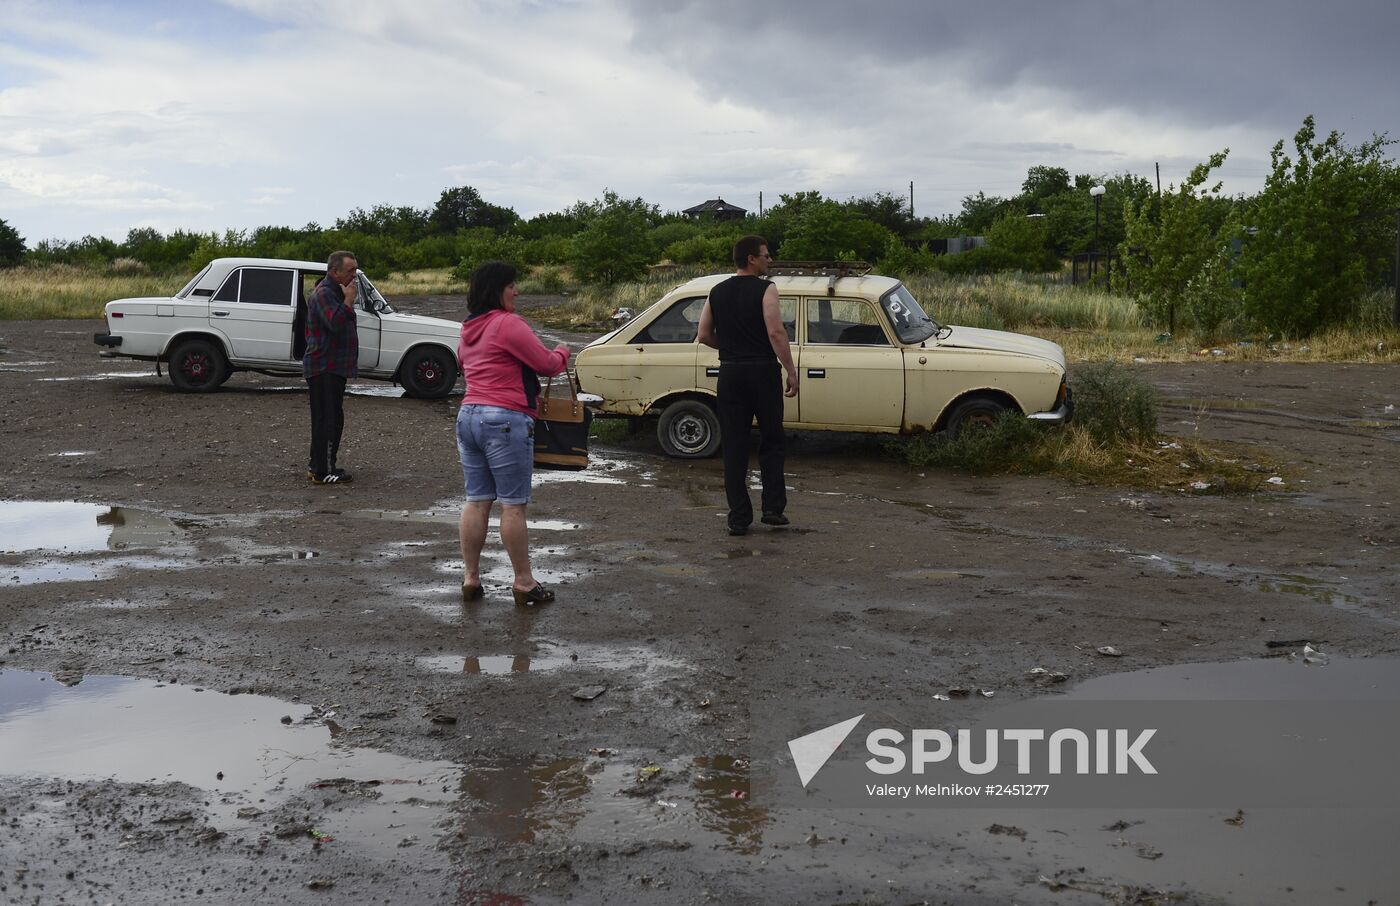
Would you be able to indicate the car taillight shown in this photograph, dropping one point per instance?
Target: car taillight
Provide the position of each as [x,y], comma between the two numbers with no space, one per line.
[1064,390]
[116,314]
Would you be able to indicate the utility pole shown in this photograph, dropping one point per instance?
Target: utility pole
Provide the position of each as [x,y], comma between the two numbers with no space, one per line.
[1159,179]
[911,199]
[1395,316]
[760,203]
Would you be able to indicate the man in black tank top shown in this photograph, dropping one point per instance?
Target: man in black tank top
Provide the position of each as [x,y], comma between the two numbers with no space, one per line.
[742,320]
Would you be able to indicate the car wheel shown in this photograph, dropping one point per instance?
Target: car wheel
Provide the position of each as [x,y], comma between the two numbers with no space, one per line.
[428,373]
[979,412]
[689,429]
[197,366]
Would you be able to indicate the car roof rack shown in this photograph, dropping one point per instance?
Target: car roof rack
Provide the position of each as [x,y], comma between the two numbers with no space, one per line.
[831,270]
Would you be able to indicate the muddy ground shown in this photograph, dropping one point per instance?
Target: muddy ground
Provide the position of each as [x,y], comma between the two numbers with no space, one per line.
[219,568]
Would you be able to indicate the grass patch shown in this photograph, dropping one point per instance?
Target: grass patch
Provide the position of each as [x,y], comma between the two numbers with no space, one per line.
[64,291]
[1113,441]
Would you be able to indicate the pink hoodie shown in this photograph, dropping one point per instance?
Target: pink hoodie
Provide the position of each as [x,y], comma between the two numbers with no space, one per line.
[497,351]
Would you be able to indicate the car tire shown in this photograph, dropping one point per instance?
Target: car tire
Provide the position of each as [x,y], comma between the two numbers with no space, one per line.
[197,366]
[689,429]
[428,373]
[978,412]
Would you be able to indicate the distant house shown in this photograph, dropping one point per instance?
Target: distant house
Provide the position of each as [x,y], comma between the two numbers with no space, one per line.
[715,209]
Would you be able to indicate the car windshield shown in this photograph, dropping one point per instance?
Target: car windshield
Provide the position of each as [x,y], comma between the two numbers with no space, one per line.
[376,298]
[907,315]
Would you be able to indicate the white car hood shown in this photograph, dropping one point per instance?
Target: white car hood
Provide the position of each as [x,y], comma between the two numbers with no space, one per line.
[1004,341]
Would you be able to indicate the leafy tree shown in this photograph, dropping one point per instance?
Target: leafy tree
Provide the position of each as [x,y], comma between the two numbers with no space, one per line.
[1042,183]
[980,211]
[483,244]
[828,230]
[1165,255]
[1307,264]
[407,224]
[462,208]
[12,247]
[613,246]
[889,211]
[1023,241]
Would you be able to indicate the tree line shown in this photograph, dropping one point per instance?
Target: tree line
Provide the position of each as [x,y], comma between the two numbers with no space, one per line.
[1295,257]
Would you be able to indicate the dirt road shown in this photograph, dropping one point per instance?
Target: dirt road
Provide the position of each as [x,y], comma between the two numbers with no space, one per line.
[195,556]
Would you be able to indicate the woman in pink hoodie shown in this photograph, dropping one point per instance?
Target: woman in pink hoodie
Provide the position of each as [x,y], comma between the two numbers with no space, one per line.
[501,358]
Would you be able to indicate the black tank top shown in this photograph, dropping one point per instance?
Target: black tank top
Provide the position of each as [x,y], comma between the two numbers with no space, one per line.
[737,308]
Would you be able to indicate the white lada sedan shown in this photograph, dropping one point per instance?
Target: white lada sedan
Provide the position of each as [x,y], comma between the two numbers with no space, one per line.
[248,314]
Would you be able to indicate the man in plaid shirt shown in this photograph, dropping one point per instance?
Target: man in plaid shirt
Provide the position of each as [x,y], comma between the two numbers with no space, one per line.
[332,357]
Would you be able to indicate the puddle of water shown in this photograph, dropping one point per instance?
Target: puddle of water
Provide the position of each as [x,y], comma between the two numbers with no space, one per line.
[74,453]
[42,571]
[450,513]
[1265,679]
[738,554]
[23,367]
[101,376]
[603,468]
[702,801]
[42,525]
[934,574]
[636,662]
[496,568]
[493,665]
[138,731]
[385,390]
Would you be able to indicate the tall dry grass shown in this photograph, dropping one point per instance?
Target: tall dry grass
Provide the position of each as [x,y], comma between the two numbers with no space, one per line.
[64,291]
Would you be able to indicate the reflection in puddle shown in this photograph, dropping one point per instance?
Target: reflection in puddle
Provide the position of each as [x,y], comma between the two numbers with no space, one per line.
[234,747]
[738,554]
[385,390]
[59,525]
[74,453]
[686,800]
[636,662]
[496,568]
[449,513]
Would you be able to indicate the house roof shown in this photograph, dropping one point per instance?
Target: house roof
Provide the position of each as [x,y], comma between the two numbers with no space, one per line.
[715,206]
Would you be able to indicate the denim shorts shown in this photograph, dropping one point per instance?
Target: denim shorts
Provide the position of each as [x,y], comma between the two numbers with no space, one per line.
[497,449]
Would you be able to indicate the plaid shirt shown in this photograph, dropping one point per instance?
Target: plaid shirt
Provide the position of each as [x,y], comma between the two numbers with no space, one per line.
[332,336]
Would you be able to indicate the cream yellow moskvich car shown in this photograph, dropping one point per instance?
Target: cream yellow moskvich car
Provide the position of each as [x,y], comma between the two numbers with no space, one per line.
[868,356]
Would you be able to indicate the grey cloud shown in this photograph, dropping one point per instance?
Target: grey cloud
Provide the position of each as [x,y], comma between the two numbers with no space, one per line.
[1259,63]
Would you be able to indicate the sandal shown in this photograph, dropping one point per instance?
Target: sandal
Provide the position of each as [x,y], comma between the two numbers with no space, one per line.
[537,595]
[472,593]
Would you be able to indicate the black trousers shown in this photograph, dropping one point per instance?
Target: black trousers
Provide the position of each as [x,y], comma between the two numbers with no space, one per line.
[747,392]
[327,420]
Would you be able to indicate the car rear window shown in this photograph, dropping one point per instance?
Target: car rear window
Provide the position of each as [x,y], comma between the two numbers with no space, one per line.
[678,324]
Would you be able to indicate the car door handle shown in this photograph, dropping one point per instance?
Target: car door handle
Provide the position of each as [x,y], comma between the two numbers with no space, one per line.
[711,372]
[219,314]
[816,372]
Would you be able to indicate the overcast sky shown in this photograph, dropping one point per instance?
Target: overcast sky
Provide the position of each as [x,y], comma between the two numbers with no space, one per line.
[209,115]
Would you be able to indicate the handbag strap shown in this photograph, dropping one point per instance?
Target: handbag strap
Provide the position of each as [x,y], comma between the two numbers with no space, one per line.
[569,379]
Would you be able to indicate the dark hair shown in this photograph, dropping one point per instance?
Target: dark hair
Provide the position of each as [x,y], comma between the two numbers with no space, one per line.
[337,260]
[748,245]
[487,284]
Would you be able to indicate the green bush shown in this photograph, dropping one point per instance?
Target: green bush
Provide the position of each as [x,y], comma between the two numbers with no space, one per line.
[483,244]
[1113,404]
[1007,444]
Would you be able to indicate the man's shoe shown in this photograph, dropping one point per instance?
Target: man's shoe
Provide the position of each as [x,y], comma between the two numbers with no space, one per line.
[775,519]
[738,530]
[342,475]
[329,478]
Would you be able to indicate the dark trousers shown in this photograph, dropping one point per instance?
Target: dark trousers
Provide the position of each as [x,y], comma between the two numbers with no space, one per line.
[749,391]
[327,420]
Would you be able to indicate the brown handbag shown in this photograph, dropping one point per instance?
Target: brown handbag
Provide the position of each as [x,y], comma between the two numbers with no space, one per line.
[561,430]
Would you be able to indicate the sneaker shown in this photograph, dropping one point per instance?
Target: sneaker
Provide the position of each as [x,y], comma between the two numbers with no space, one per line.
[342,475]
[738,530]
[330,478]
[775,519]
